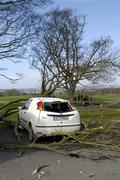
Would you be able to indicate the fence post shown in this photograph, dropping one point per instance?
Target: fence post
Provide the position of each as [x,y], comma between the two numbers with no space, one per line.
[101,111]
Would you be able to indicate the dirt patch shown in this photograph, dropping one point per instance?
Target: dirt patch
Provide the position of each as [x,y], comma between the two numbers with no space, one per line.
[95,154]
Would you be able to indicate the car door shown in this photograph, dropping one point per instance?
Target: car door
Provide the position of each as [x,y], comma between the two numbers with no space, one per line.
[24,113]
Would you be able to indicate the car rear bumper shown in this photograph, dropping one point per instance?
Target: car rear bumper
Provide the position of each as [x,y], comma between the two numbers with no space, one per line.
[56,130]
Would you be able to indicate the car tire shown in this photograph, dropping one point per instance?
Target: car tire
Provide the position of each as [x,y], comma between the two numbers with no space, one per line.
[19,125]
[83,126]
[18,122]
[31,133]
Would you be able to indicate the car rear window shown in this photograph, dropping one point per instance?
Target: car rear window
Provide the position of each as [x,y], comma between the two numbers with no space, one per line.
[60,107]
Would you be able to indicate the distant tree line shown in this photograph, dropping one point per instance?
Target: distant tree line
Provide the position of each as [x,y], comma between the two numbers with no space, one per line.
[10,92]
[110,90]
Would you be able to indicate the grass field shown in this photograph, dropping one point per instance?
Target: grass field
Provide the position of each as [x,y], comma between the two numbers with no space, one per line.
[89,114]
[109,97]
[5,99]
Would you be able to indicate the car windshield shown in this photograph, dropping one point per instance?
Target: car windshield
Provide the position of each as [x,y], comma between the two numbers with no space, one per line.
[60,107]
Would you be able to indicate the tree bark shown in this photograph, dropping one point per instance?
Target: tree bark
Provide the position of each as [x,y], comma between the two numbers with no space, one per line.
[71,91]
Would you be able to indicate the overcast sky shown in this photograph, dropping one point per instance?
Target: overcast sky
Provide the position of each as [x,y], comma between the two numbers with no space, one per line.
[102,18]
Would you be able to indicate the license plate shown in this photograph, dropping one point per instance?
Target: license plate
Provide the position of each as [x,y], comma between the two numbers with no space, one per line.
[57,118]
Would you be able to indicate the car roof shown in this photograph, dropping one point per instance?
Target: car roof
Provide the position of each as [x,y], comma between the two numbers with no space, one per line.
[49,99]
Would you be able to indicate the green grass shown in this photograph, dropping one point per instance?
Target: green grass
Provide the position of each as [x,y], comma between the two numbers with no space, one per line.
[109,97]
[95,117]
[7,99]
[115,106]
[12,98]
[100,114]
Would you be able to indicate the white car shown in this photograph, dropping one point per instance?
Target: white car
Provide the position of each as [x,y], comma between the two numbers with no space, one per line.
[42,116]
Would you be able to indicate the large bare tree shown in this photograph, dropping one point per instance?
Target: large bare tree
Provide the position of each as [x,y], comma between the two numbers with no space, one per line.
[19,20]
[67,56]
[49,77]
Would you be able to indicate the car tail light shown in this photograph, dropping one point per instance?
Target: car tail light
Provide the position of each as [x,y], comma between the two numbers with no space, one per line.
[40,106]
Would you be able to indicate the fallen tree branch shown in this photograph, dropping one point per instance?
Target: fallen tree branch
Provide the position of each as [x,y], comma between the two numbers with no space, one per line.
[48,147]
[8,112]
[11,102]
[17,135]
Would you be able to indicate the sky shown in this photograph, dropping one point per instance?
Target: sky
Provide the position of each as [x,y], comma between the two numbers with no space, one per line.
[102,19]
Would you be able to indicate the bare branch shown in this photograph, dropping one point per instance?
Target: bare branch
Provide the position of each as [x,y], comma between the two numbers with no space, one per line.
[18,27]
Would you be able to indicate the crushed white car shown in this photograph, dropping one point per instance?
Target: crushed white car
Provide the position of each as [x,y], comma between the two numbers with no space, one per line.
[42,116]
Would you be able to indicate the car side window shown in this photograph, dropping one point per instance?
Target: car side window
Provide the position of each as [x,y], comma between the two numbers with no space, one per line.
[27,104]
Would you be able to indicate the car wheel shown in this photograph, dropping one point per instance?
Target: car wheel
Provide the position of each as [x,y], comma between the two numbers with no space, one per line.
[18,123]
[31,134]
[83,126]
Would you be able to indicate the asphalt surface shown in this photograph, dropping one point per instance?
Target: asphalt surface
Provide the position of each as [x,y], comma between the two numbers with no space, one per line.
[14,167]
[20,164]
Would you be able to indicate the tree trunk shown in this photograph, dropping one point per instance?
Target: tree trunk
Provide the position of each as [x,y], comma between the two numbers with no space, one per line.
[71,91]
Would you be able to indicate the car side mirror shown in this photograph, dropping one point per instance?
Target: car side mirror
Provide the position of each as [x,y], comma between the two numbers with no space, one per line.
[20,107]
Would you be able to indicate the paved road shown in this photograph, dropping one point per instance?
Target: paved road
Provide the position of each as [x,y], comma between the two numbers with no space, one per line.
[60,167]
